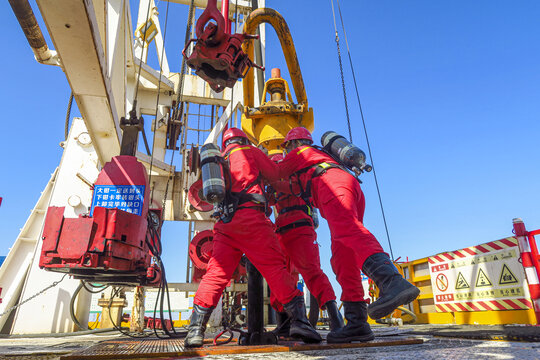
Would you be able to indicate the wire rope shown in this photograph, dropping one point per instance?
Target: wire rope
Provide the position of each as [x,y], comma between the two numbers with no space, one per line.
[68,114]
[361,115]
[157,101]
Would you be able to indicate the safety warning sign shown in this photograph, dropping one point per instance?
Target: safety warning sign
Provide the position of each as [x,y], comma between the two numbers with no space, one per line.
[480,278]
[461,283]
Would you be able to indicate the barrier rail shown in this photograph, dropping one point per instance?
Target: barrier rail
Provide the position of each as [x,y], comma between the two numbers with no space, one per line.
[491,283]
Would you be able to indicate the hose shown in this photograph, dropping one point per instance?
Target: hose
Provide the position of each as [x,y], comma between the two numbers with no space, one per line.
[72,308]
[395,321]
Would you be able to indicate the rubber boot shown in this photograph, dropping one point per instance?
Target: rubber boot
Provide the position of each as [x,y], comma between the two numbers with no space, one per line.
[357,328]
[336,320]
[283,325]
[300,326]
[394,290]
[197,326]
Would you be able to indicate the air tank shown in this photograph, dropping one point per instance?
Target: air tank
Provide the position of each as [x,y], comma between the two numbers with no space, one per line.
[344,151]
[212,173]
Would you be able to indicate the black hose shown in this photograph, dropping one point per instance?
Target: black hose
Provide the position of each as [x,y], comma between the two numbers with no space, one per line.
[72,308]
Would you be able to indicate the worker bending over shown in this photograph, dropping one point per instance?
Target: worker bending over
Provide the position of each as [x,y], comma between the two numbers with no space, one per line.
[298,239]
[341,202]
[248,232]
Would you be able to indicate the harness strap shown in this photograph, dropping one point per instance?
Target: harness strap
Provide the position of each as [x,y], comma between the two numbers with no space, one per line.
[320,169]
[294,225]
[304,208]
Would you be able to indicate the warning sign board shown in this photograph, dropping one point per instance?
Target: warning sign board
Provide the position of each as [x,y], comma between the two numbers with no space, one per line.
[480,278]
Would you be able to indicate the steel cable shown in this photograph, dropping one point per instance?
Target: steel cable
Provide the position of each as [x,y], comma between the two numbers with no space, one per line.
[68,114]
[361,115]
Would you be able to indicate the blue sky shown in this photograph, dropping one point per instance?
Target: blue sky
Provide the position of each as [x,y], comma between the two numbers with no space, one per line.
[450,91]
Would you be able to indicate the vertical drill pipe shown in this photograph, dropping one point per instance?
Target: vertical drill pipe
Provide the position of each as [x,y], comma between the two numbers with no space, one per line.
[272,17]
[27,20]
[255,300]
[258,53]
[225,13]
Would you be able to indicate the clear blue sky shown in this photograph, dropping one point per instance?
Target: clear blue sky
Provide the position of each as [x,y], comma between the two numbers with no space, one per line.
[450,91]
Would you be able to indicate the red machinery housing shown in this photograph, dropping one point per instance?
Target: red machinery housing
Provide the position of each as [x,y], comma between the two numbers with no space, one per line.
[217,56]
[200,251]
[111,244]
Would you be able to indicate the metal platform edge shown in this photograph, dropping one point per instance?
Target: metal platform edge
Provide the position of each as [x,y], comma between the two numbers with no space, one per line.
[90,353]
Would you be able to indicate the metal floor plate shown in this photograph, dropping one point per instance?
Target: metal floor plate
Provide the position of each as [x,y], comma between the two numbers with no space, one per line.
[152,348]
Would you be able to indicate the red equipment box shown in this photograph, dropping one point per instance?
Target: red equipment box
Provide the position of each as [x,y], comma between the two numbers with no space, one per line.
[111,244]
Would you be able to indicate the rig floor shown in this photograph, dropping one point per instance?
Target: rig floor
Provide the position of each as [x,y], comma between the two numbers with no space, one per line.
[408,342]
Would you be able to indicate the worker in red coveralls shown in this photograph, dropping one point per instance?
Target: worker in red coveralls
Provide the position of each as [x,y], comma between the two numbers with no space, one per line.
[248,232]
[341,202]
[298,239]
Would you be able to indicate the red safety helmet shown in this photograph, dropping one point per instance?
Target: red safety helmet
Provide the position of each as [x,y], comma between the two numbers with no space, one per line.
[276,157]
[232,133]
[297,133]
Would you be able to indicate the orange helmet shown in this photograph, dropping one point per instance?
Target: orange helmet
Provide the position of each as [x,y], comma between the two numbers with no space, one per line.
[297,133]
[232,133]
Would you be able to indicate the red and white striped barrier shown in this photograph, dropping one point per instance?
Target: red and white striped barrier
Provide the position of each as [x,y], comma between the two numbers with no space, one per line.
[530,261]
[474,250]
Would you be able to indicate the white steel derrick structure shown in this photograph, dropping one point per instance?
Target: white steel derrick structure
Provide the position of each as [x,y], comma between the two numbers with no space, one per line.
[101,54]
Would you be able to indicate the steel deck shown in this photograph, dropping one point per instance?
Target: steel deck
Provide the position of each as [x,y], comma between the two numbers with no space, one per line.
[152,348]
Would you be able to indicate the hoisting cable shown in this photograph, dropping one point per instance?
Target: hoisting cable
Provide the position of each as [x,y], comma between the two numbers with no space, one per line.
[342,77]
[361,113]
[180,91]
[156,251]
[179,107]
[157,102]
[68,114]
[141,60]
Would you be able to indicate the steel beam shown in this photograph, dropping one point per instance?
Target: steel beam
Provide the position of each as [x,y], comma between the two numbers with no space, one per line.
[75,32]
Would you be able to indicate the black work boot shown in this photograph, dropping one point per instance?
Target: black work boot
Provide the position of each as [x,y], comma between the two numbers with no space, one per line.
[283,325]
[394,290]
[357,328]
[336,320]
[197,326]
[300,326]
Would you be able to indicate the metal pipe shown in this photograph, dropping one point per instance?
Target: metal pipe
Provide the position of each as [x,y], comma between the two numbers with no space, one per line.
[27,20]
[272,17]
[258,54]
[255,317]
[225,13]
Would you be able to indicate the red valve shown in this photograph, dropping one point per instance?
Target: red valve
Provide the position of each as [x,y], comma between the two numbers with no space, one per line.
[217,56]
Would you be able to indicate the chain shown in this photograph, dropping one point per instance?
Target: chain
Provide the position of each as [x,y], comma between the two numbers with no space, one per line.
[33,296]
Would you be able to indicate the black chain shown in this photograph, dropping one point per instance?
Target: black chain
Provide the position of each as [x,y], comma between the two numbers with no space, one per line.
[33,296]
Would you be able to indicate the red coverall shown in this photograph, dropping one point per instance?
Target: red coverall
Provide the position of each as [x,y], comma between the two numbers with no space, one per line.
[249,232]
[341,202]
[299,245]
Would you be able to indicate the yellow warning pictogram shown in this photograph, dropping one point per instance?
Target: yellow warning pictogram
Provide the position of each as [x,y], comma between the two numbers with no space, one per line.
[507,277]
[482,279]
[461,283]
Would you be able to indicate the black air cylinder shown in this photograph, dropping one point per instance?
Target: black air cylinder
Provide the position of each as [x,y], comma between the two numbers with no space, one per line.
[212,173]
[347,153]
